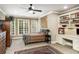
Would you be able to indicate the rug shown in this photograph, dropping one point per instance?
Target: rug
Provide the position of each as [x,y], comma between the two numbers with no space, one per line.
[39,50]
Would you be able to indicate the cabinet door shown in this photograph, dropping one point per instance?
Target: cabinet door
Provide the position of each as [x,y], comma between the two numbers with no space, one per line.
[60,40]
[76,44]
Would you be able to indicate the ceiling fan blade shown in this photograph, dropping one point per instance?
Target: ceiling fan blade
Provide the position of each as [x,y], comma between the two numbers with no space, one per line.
[37,10]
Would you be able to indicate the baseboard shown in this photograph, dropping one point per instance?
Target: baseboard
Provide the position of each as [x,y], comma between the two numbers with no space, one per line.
[53,42]
[15,38]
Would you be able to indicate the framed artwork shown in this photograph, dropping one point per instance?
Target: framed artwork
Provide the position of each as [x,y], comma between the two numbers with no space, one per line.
[61,31]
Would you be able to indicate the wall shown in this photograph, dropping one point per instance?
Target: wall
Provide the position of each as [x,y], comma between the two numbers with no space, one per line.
[53,25]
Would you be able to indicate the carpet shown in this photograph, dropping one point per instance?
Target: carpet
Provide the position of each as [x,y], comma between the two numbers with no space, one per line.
[39,50]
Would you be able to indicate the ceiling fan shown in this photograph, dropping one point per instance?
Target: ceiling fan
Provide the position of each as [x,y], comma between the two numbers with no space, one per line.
[33,9]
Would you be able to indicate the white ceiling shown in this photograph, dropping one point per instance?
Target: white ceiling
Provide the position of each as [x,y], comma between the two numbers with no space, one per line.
[22,9]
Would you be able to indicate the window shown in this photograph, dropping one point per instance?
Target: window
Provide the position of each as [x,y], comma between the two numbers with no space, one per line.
[13,27]
[20,26]
[23,26]
[34,25]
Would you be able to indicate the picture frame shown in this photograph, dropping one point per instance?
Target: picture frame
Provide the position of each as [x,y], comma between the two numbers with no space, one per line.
[61,31]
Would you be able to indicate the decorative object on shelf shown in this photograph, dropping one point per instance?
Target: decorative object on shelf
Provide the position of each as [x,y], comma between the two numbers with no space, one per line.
[61,31]
[77,15]
[73,16]
[64,25]
[64,22]
[66,17]
[77,25]
[76,20]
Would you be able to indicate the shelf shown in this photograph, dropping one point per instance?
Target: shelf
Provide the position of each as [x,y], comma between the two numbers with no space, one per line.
[68,41]
[70,27]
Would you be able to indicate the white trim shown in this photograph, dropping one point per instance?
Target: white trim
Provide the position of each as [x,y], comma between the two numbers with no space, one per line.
[2,11]
[53,42]
[70,10]
[14,38]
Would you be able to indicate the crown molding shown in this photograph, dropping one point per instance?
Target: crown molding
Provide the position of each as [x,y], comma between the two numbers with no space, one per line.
[2,12]
[69,10]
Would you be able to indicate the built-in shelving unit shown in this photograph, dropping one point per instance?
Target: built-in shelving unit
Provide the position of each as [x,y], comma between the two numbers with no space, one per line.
[68,29]
[70,21]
